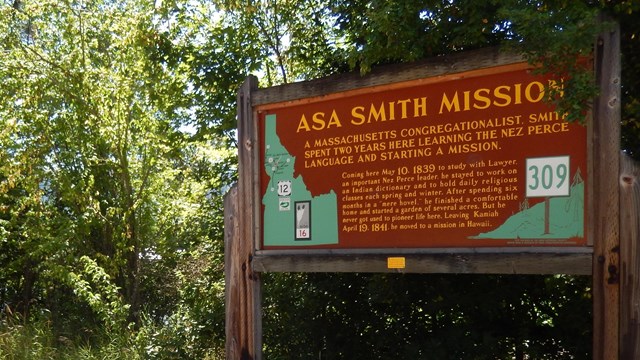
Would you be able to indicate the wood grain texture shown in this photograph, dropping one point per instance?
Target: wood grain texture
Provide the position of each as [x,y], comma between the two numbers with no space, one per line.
[605,217]
[243,296]
[446,263]
[232,292]
[630,258]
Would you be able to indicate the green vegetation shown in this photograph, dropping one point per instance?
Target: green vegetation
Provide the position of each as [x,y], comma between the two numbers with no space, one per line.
[117,143]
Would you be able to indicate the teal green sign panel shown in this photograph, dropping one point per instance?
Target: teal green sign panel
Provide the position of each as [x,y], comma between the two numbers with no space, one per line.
[292,217]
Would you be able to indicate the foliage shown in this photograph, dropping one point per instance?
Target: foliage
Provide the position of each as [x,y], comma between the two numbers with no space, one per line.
[117,137]
[381,32]
[293,40]
[558,35]
[25,342]
[627,14]
[38,341]
[383,316]
[94,286]
[104,194]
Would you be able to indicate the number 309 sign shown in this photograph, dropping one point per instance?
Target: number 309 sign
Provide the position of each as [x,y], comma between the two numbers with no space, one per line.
[548,176]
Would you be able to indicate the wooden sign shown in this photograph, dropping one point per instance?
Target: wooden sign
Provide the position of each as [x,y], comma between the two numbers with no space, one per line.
[453,165]
[472,159]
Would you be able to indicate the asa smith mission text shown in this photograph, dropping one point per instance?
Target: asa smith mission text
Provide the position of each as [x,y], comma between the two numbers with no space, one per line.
[455,101]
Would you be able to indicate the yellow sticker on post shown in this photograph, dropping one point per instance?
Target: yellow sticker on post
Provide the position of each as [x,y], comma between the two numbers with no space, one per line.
[396,263]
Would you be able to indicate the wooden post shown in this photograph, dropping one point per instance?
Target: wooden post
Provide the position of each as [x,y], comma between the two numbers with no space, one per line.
[243,292]
[630,258]
[546,215]
[605,218]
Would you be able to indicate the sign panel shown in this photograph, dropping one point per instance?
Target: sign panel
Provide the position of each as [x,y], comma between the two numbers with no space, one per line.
[469,160]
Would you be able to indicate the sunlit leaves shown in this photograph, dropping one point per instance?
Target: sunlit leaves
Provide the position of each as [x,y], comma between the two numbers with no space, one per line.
[559,37]
[379,32]
[97,165]
[117,134]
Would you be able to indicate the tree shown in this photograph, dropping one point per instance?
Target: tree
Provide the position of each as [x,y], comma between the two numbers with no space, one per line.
[117,137]
[100,185]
